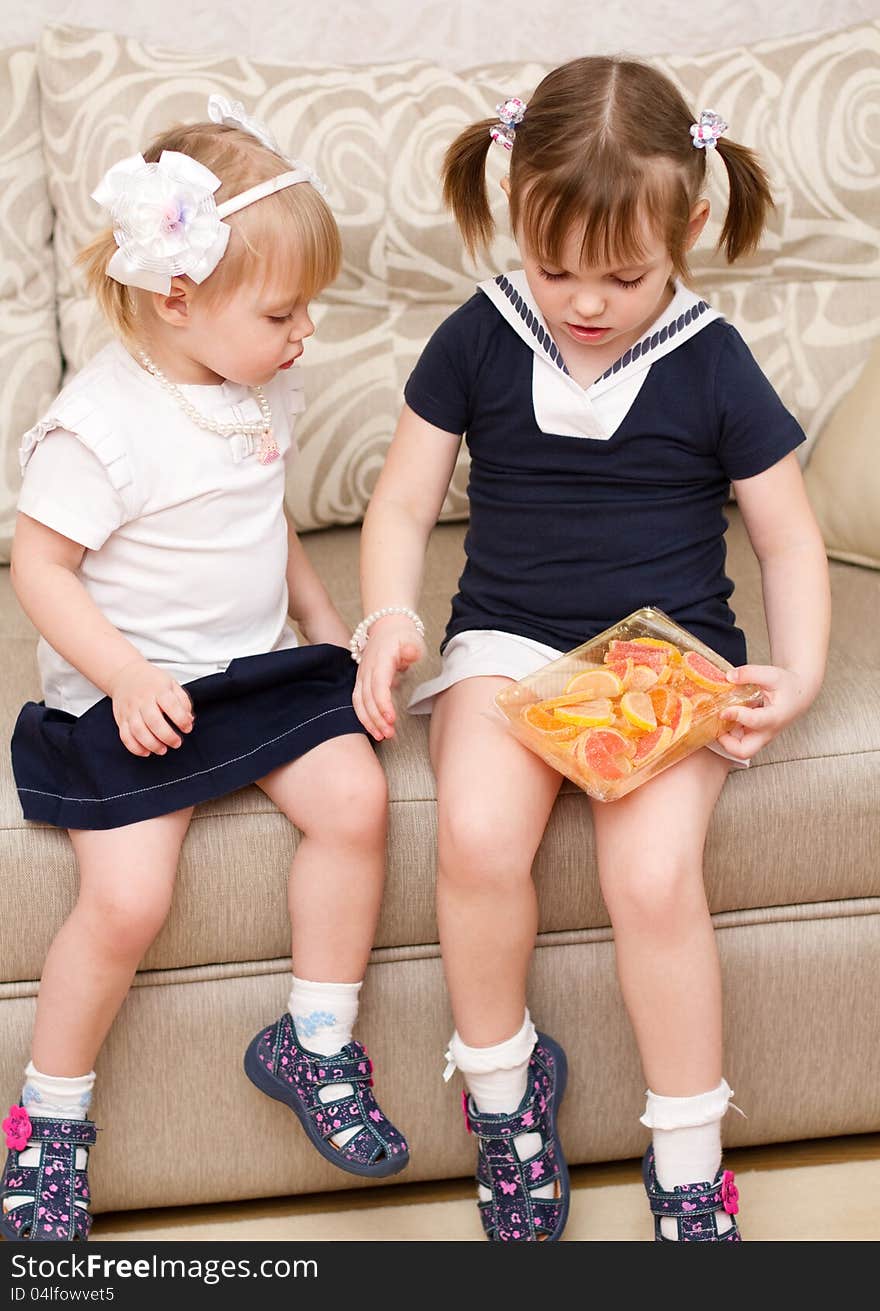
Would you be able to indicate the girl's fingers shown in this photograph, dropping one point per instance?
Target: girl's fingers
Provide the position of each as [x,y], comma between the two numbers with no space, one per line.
[185,717]
[749,716]
[177,706]
[763,675]
[409,654]
[732,745]
[160,727]
[380,681]
[366,708]
[144,736]
[129,742]
[743,748]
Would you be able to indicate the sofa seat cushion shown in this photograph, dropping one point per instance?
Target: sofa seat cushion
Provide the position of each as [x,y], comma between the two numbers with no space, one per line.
[795,827]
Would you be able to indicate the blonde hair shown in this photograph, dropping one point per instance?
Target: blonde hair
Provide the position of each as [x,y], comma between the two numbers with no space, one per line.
[286,238]
[604,146]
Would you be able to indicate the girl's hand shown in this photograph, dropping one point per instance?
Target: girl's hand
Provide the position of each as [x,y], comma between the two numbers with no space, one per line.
[142,697]
[785,697]
[393,644]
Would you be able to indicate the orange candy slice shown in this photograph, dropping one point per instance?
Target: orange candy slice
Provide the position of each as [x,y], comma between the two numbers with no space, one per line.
[652,744]
[593,757]
[684,719]
[640,655]
[640,678]
[702,672]
[615,742]
[546,722]
[673,653]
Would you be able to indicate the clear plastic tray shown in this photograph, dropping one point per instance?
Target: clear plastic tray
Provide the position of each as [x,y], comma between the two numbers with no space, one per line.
[629,703]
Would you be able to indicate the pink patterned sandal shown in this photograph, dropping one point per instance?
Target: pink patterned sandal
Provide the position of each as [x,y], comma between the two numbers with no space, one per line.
[694,1207]
[54,1182]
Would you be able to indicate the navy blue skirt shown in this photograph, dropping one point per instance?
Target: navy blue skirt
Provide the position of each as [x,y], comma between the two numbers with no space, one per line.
[258,714]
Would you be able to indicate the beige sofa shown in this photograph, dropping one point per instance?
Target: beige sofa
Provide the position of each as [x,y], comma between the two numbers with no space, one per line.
[791,860]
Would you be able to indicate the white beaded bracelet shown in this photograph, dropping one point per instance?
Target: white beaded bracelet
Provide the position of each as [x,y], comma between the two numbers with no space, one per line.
[359,636]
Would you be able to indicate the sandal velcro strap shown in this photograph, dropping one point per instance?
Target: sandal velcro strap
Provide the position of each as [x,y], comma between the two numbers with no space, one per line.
[82,1132]
[694,1207]
[353,1065]
[695,1200]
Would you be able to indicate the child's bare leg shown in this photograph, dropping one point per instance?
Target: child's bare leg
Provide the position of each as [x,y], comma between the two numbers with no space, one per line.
[649,846]
[126,882]
[494,799]
[650,851]
[336,796]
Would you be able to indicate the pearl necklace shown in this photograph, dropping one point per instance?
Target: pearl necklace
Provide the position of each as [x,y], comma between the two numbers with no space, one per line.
[261,427]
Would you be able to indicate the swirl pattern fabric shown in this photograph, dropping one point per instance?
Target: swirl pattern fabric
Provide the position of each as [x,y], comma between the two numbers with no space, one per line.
[807,301]
[30,357]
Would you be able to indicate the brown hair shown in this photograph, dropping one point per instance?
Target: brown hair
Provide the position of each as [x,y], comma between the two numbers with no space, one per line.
[289,238]
[604,144]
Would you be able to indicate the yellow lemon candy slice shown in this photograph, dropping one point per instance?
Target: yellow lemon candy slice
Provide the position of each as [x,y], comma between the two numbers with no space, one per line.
[587,714]
[637,708]
[593,683]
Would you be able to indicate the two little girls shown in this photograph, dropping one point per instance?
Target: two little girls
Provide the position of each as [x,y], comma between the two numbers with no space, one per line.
[607,410]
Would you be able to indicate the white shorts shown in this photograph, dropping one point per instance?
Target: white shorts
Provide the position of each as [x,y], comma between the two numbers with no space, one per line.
[489,652]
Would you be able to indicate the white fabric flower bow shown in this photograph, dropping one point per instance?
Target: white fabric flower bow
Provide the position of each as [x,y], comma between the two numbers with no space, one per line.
[165,220]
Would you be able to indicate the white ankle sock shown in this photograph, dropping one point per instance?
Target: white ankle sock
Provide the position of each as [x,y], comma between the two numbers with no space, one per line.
[324,1015]
[497,1078]
[53,1097]
[687,1143]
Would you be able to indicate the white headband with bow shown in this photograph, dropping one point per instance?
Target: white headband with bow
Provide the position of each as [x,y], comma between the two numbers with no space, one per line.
[166,222]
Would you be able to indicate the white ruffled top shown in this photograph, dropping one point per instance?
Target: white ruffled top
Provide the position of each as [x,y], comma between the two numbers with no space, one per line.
[184,530]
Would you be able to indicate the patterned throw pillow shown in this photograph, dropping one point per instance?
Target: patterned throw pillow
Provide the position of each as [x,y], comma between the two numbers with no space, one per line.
[30,361]
[843,476]
[808,301]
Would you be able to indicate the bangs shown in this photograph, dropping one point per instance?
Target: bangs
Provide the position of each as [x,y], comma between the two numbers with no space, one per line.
[614,206]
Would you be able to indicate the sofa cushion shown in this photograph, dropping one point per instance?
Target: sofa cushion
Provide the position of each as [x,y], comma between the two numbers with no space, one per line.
[843,476]
[30,361]
[782,818]
[807,301]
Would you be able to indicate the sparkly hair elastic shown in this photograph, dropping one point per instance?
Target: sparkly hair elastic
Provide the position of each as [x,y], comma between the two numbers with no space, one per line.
[509,114]
[708,129]
[164,216]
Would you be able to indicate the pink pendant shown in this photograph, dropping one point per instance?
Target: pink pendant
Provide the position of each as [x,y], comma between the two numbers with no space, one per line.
[268,447]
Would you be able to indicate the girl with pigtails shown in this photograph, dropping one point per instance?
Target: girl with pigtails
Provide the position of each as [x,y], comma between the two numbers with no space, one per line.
[608,410]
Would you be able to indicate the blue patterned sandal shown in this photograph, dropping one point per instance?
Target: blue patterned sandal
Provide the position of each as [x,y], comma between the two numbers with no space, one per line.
[513,1214]
[54,1182]
[694,1207]
[280,1067]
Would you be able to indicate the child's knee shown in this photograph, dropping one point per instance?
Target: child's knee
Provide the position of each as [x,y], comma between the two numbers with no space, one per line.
[652,892]
[476,849]
[355,803]
[125,918]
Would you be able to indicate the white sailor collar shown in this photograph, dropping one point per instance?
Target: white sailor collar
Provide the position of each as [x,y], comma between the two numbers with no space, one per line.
[562,406]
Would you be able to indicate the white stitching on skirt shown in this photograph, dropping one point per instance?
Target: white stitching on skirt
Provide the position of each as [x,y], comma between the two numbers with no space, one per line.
[117,796]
